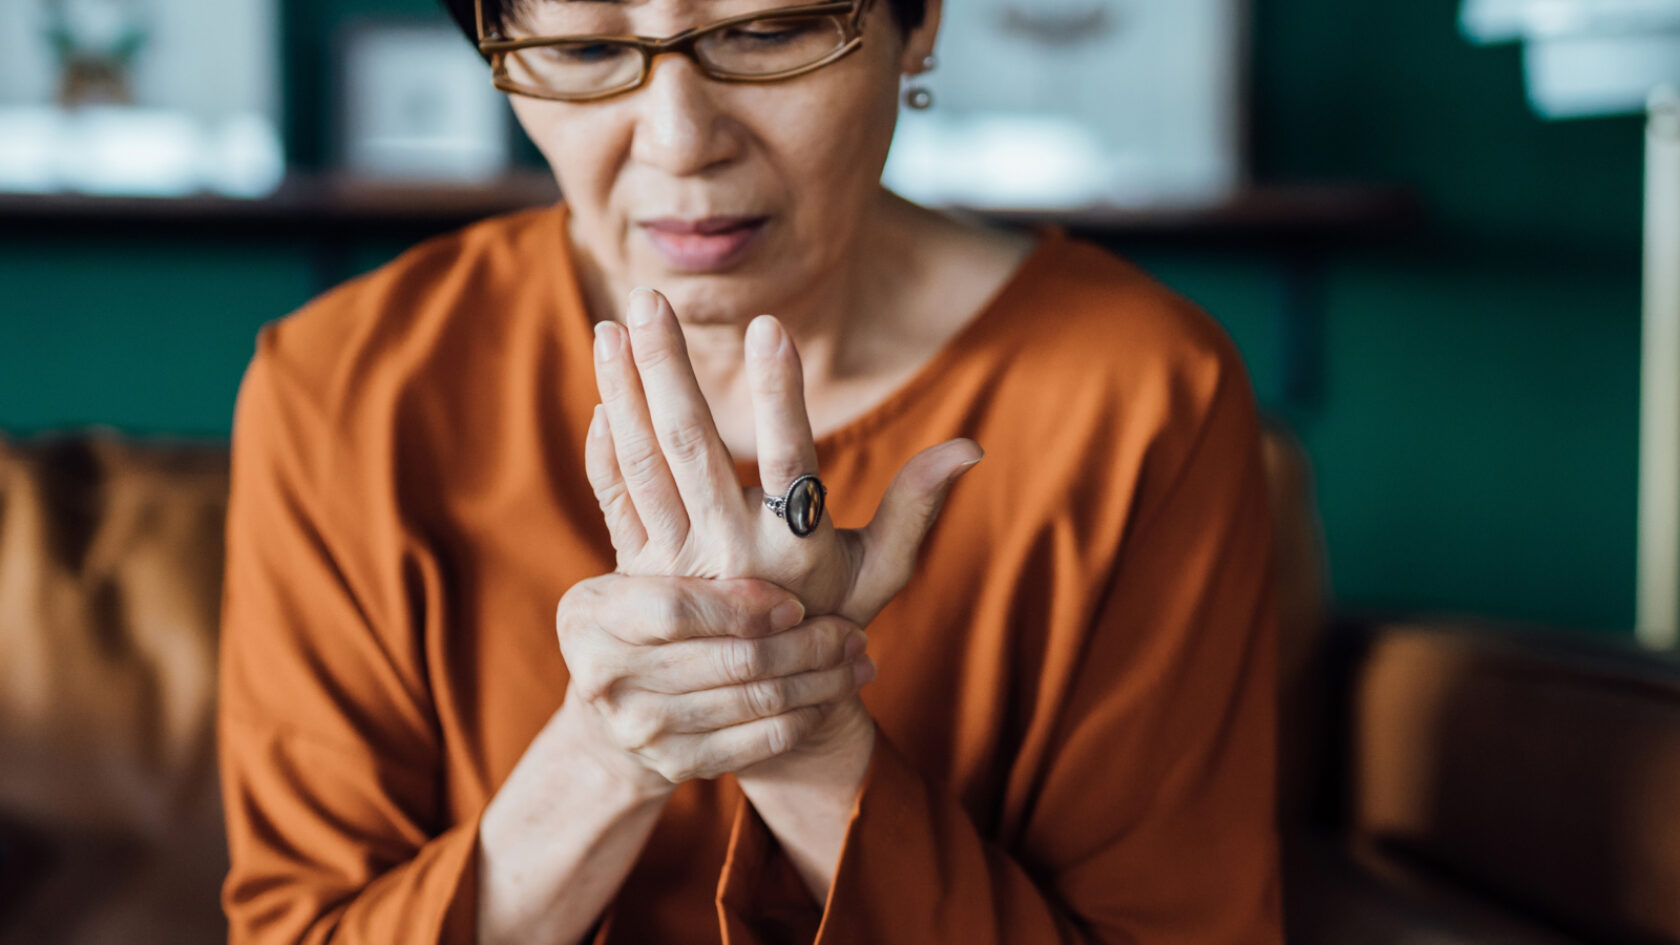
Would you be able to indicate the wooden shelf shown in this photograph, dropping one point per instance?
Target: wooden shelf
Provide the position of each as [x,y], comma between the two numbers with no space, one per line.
[1299,213]
[338,209]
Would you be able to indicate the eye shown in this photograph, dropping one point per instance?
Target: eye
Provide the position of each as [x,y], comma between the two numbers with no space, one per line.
[585,54]
[772,32]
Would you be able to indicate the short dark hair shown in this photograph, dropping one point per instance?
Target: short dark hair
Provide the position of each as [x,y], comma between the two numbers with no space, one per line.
[908,13]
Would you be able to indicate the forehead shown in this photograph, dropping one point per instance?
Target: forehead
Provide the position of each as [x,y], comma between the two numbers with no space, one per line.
[653,8]
[643,17]
[659,7]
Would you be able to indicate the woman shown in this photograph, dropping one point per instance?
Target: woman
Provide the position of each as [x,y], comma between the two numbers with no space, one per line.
[1070,735]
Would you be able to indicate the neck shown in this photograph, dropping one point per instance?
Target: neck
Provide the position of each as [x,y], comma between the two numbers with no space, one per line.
[839,322]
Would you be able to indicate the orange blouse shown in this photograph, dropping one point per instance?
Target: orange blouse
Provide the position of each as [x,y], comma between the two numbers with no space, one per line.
[1075,700]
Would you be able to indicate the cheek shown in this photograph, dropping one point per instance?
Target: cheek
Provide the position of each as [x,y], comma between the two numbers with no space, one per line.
[840,140]
[577,145]
[830,148]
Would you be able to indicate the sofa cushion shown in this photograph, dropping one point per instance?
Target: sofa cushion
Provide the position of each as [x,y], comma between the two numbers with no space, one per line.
[1541,770]
[1341,894]
[110,577]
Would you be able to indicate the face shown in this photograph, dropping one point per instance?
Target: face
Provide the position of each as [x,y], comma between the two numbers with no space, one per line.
[731,198]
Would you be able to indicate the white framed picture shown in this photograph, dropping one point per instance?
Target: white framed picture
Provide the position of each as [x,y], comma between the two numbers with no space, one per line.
[146,97]
[1076,103]
[418,105]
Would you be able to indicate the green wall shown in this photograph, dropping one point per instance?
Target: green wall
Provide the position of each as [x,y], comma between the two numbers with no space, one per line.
[1473,422]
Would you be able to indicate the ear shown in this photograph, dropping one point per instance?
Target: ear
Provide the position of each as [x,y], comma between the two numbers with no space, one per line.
[918,46]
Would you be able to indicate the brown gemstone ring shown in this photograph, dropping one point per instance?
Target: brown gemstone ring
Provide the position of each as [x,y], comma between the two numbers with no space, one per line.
[801,506]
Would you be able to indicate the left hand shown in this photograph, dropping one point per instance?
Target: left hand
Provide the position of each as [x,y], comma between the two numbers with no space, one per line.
[674,507]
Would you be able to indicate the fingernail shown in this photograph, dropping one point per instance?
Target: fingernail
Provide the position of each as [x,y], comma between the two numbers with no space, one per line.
[962,470]
[643,306]
[856,643]
[864,671]
[787,615]
[607,342]
[764,337]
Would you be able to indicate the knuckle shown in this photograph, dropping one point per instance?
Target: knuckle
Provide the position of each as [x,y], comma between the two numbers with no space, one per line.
[577,602]
[640,460]
[655,350]
[742,661]
[783,469]
[782,734]
[672,770]
[686,442]
[609,489]
[822,647]
[593,687]
[638,729]
[669,613]
[764,698]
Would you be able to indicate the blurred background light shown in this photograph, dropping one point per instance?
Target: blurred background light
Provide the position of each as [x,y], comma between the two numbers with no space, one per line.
[1118,102]
[140,97]
[1584,57]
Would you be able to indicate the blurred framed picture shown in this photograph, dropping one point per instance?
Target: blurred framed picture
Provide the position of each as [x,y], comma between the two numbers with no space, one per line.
[150,97]
[1075,103]
[417,105]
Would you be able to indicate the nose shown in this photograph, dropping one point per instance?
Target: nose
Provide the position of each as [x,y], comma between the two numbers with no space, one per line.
[681,128]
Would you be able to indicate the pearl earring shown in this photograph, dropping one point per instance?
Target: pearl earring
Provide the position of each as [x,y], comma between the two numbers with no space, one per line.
[919,97]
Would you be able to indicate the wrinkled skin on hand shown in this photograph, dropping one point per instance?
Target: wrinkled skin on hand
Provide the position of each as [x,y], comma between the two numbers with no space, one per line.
[667,486]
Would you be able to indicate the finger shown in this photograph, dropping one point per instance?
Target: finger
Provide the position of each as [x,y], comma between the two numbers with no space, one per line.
[700,664]
[786,449]
[660,612]
[641,462]
[601,465]
[747,744]
[713,709]
[906,513]
[682,420]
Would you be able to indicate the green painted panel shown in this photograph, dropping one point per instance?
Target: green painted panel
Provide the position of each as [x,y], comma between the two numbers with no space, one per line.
[147,338]
[1477,447]
[1391,91]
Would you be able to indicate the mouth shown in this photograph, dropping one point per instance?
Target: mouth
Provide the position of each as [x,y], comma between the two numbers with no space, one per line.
[710,244]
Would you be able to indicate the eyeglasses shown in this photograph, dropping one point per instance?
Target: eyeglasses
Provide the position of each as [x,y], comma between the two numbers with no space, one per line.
[769,46]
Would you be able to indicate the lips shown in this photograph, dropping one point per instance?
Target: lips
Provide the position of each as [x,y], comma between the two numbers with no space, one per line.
[709,244]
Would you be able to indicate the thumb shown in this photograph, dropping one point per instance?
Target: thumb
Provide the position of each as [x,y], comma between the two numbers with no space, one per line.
[906,513]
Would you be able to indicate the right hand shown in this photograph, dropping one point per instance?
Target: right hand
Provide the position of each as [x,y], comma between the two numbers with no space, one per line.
[680,678]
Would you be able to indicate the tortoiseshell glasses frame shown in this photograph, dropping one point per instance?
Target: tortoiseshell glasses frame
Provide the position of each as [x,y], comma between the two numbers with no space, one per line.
[848,14]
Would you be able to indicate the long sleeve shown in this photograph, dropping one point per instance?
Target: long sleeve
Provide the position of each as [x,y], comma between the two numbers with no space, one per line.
[1152,819]
[328,741]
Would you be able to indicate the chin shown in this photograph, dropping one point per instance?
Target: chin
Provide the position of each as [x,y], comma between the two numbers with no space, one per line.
[716,299]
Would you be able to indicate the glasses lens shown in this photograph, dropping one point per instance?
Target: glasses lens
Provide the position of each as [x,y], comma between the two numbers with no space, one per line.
[771,45]
[574,68]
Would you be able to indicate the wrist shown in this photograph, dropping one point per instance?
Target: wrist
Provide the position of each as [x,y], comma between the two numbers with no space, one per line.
[806,797]
[622,776]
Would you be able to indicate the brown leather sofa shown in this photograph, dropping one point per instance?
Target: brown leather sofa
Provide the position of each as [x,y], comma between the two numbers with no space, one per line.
[1441,784]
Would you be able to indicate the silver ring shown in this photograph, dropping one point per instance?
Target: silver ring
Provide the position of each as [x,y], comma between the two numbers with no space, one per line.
[801,506]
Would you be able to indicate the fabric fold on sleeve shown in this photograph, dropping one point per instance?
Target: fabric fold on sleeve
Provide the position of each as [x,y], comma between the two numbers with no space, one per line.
[914,868]
[303,828]
[760,898]
[338,823]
